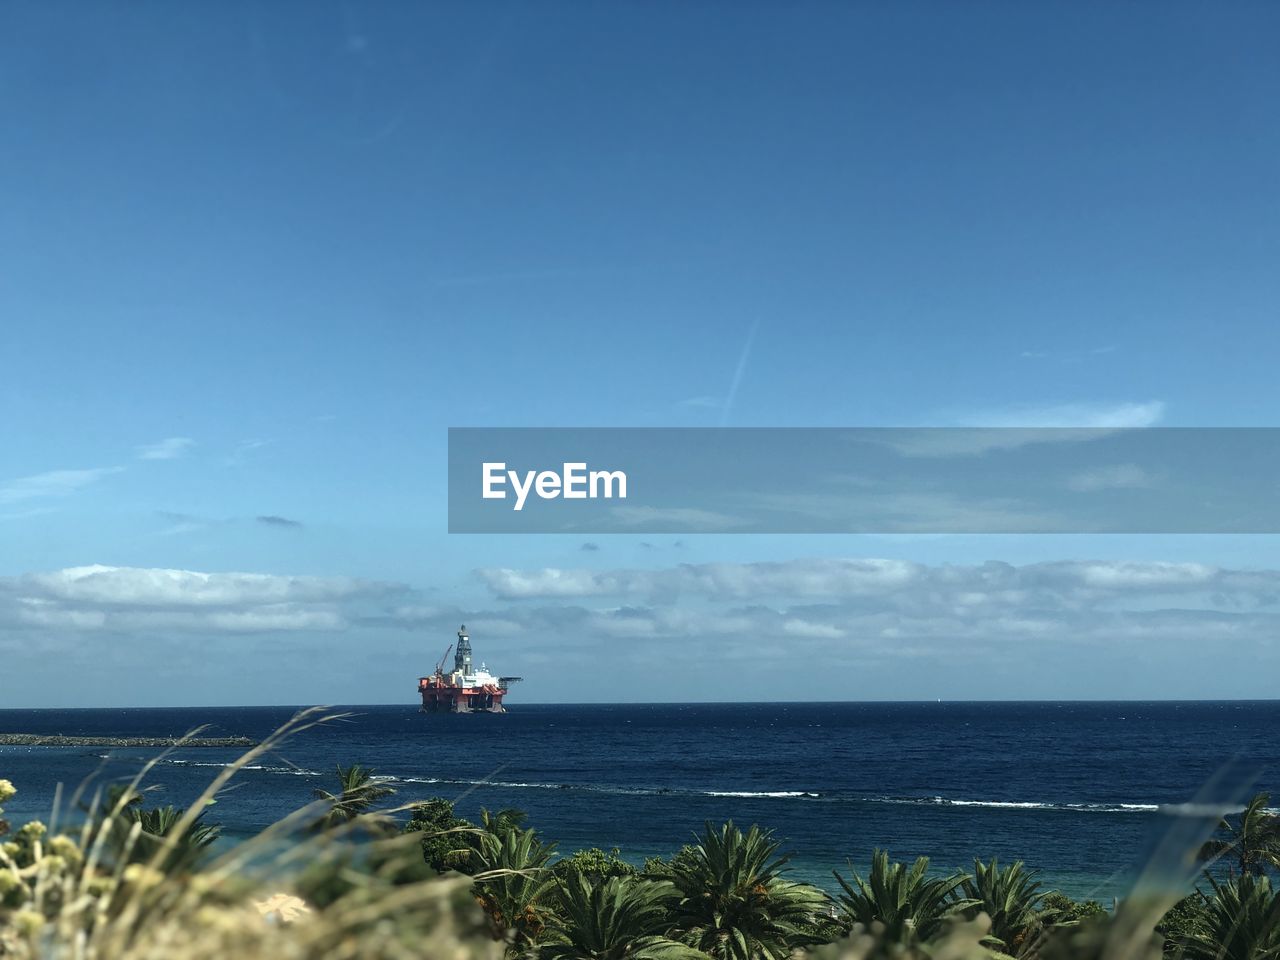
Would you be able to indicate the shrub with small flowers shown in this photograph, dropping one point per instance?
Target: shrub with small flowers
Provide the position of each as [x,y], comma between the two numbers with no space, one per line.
[7,790]
[35,870]
[120,894]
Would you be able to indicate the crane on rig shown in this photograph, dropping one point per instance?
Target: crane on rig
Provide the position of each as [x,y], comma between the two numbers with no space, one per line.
[440,663]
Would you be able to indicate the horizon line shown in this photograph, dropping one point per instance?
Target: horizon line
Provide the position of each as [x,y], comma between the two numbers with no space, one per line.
[662,703]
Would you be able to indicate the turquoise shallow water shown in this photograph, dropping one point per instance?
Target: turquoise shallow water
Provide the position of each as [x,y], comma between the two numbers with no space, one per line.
[1085,792]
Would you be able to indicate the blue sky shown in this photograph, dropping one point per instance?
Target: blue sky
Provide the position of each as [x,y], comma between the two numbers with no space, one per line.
[259,257]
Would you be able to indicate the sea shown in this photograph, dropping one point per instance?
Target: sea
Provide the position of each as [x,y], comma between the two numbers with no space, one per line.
[1096,796]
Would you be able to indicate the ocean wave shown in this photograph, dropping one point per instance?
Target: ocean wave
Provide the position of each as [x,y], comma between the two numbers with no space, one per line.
[996,804]
[520,784]
[1189,809]
[508,784]
[1171,809]
[258,767]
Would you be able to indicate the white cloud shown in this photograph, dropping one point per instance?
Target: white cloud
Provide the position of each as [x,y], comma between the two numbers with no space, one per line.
[1093,416]
[547,582]
[913,588]
[804,578]
[796,627]
[851,618]
[843,608]
[131,598]
[187,588]
[1151,575]
[1123,476]
[864,615]
[981,431]
[53,483]
[168,449]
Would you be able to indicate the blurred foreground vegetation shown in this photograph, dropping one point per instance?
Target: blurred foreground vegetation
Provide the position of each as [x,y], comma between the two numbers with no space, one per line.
[347,877]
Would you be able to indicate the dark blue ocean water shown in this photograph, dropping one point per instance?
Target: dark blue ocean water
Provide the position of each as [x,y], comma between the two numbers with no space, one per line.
[1081,791]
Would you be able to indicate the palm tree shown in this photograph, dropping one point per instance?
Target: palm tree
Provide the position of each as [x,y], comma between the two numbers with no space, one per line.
[359,792]
[513,884]
[1241,921]
[734,902]
[508,818]
[621,918]
[159,828]
[479,842]
[1012,900]
[1254,842]
[121,812]
[911,905]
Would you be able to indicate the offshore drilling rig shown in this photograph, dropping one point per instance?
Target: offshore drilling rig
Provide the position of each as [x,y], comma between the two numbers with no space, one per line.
[465,690]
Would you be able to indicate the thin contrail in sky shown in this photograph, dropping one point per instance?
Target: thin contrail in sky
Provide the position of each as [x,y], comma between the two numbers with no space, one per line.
[737,374]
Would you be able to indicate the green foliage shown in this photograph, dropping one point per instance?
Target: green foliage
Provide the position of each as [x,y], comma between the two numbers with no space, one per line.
[734,902]
[447,839]
[513,884]
[960,941]
[723,898]
[1060,910]
[906,901]
[594,864]
[503,820]
[161,830]
[134,834]
[509,864]
[60,898]
[1251,840]
[1240,921]
[346,868]
[358,791]
[656,868]
[1011,899]
[662,868]
[1095,938]
[1185,919]
[618,918]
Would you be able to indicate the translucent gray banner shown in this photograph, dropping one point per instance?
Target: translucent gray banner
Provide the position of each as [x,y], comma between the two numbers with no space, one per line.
[864,480]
